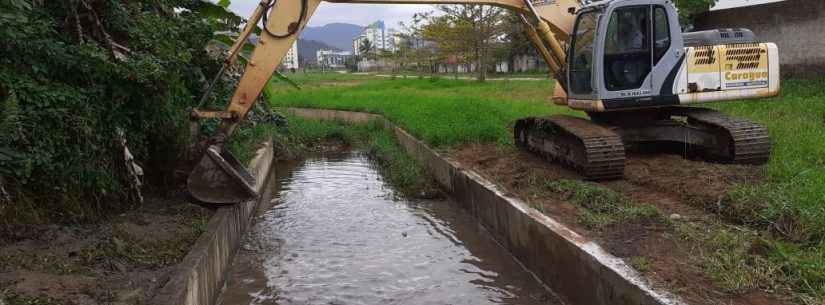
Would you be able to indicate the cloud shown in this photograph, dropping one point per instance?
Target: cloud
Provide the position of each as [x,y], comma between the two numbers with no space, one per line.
[360,14]
[363,14]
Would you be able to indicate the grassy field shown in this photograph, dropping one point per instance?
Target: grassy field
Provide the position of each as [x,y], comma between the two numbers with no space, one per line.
[796,173]
[786,212]
[442,112]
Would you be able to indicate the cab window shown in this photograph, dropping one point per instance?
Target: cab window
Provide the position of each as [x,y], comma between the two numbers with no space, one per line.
[581,53]
[661,33]
[627,48]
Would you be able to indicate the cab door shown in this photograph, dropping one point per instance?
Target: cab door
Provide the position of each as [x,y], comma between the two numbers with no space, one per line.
[668,52]
[627,53]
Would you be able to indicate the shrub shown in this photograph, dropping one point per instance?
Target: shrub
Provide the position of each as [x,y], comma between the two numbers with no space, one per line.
[72,73]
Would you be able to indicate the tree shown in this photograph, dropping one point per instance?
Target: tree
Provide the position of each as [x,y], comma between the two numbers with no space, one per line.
[73,74]
[468,31]
[414,49]
[690,8]
[366,48]
[516,43]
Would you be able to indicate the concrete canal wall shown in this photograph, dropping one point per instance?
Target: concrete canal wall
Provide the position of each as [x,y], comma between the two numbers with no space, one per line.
[577,268]
[199,278]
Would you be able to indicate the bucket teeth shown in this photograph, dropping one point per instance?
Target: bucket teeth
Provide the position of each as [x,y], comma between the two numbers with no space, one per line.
[219,178]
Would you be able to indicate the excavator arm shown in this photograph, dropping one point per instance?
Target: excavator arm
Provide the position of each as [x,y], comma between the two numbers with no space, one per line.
[220,179]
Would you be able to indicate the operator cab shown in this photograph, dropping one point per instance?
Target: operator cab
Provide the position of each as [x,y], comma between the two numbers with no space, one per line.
[624,54]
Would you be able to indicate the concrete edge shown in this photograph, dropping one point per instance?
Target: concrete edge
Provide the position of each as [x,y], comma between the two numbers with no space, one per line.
[198,279]
[577,268]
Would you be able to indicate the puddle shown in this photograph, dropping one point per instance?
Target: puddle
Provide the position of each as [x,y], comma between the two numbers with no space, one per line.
[336,234]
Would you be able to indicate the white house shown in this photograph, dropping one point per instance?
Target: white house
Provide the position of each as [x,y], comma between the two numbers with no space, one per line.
[332,59]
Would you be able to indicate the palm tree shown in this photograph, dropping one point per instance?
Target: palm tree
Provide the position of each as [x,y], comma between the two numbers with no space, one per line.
[365,47]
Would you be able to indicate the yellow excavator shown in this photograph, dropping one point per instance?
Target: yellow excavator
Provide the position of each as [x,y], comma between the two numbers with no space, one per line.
[626,63]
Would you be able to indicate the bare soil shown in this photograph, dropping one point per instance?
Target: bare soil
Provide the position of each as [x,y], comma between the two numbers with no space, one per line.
[682,190]
[122,260]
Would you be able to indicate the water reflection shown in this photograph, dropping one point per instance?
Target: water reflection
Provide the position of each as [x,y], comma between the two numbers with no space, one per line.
[336,234]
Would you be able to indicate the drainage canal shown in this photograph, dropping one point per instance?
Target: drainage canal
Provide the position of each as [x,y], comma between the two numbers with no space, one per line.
[336,234]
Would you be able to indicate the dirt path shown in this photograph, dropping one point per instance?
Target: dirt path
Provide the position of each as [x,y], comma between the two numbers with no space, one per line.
[123,260]
[681,190]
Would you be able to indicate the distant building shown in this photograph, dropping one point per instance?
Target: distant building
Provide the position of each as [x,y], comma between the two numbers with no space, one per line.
[333,59]
[391,40]
[380,38]
[290,60]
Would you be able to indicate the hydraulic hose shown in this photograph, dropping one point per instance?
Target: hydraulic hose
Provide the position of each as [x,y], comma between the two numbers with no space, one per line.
[292,28]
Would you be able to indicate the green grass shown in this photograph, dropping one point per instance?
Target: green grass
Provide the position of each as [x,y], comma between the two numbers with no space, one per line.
[44,262]
[490,76]
[640,263]
[246,141]
[122,250]
[725,253]
[601,206]
[740,259]
[301,136]
[304,134]
[786,212]
[315,77]
[10,297]
[793,197]
[441,112]
[402,171]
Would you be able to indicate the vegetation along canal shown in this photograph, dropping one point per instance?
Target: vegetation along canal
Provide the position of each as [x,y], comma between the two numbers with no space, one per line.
[336,233]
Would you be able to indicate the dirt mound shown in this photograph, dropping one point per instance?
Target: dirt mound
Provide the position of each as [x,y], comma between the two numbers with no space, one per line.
[695,182]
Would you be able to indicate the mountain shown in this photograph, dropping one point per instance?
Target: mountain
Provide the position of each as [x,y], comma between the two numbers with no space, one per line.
[308,48]
[338,35]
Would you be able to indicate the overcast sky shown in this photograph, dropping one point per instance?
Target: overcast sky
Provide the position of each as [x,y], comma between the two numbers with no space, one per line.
[363,14]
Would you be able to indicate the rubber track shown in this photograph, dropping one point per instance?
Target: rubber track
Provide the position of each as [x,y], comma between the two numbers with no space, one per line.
[751,143]
[602,149]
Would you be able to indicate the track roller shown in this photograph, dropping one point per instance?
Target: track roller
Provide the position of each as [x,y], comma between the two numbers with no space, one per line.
[741,141]
[596,152]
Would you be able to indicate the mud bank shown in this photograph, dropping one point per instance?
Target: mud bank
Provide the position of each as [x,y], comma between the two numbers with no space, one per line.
[576,267]
[167,251]
[122,260]
[666,248]
[198,279]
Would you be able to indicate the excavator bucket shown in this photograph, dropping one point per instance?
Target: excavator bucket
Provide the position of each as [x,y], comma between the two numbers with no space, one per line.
[220,179]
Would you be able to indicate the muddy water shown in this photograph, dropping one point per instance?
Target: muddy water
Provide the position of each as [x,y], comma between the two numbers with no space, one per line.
[336,234]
